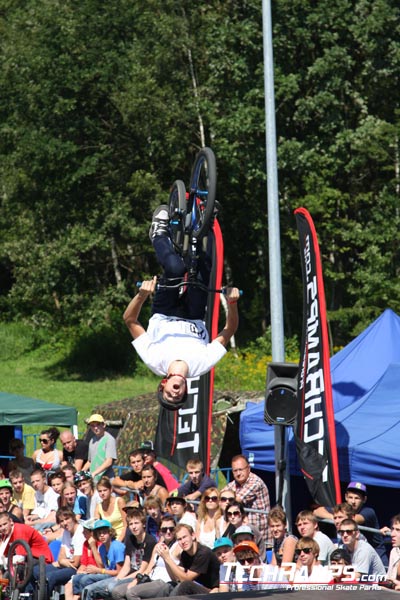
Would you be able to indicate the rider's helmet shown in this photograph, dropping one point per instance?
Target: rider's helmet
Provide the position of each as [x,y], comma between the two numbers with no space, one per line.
[82,476]
[5,483]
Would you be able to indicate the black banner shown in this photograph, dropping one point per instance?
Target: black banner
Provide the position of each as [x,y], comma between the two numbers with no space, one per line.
[315,426]
[185,434]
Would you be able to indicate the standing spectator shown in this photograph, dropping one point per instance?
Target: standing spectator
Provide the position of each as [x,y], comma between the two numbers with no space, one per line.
[75,451]
[208,518]
[24,494]
[48,458]
[197,482]
[111,508]
[252,491]
[23,463]
[150,458]
[102,449]
[46,503]
[364,558]
[307,525]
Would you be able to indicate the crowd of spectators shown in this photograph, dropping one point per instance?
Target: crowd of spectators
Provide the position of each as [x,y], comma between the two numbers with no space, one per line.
[142,534]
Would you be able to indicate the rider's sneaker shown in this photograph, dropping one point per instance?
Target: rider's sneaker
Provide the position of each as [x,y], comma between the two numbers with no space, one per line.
[160,222]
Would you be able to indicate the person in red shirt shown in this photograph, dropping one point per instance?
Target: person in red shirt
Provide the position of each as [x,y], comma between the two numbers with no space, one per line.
[10,531]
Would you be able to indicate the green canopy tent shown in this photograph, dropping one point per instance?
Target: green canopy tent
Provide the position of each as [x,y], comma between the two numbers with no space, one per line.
[20,410]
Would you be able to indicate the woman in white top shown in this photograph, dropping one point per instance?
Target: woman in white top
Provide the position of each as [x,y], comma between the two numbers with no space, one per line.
[209,518]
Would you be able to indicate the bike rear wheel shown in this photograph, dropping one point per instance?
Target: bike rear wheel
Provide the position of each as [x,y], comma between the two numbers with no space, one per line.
[177,212]
[203,185]
[20,572]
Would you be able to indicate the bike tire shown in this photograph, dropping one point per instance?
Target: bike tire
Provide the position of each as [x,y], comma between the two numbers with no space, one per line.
[203,185]
[18,581]
[177,212]
[41,584]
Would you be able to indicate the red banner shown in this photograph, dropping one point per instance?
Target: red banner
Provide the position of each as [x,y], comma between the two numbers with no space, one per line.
[315,426]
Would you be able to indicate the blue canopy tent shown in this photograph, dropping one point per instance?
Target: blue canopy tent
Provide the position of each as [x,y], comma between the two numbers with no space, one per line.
[366,396]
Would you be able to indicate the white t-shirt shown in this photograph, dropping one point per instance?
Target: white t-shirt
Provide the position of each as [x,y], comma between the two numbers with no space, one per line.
[73,545]
[168,339]
[45,503]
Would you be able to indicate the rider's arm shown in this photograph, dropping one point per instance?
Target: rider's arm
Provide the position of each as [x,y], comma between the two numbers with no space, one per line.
[134,307]
[232,318]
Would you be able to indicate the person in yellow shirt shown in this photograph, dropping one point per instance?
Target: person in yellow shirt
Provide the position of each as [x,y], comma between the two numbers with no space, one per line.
[24,494]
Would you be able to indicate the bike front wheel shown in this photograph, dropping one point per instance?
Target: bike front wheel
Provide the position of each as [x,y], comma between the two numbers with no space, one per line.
[203,185]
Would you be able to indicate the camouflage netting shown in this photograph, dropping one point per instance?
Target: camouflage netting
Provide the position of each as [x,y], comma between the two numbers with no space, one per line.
[136,419]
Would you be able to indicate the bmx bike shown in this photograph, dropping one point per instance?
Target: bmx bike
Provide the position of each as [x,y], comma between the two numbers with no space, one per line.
[18,573]
[191,215]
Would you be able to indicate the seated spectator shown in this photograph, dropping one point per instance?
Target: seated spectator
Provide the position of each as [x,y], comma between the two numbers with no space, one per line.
[61,570]
[150,458]
[22,463]
[208,518]
[249,573]
[110,508]
[84,482]
[7,503]
[179,508]
[56,481]
[364,558]
[340,566]
[46,503]
[108,557]
[153,508]
[226,497]
[236,515]
[156,580]
[90,557]
[10,531]
[198,569]
[75,452]
[47,457]
[69,498]
[393,572]
[309,568]
[284,542]
[131,479]
[253,493]
[69,471]
[307,525]
[197,482]
[24,494]
[223,550]
[138,551]
[150,485]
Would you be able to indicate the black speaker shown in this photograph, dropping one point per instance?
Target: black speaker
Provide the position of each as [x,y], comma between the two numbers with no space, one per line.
[281,394]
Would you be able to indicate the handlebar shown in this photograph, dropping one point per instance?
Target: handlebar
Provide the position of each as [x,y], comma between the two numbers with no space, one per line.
[180,284]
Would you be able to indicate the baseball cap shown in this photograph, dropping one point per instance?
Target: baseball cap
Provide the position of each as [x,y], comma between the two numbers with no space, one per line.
[5,483]
[356,485]
[222,541]
[88,524]
[96,418]
[147,445]
[243,529]
[246,545]
[176,499]
[101,523]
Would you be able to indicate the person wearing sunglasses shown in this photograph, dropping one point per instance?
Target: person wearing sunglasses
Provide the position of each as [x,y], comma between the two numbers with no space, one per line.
[226,497]
[236,516]
[364,557]
[249,572]
[209,518]
[47,457]
[156,580]
[309,569]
